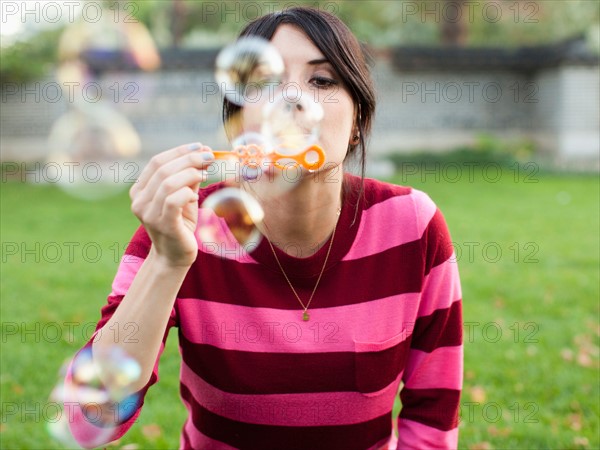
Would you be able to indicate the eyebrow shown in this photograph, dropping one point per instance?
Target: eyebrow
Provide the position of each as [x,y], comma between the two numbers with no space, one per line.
[316,62]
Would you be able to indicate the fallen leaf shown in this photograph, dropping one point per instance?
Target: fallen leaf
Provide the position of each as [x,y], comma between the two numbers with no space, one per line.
[584,359]
[481,446]
[495,431]
[567,354]
[580,440]
[152,431]
[574,421]
[477,394]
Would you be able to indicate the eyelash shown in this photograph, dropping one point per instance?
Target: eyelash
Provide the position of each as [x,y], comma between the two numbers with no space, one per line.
[323,82]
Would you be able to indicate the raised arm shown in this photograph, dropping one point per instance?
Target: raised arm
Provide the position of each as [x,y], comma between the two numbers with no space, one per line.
[165,200]
[140,306]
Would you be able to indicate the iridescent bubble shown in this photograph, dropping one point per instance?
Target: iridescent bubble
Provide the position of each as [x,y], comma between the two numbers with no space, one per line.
[93,153]
[98,388]
[292,124]
[246,68]
[230,212]
[93,149]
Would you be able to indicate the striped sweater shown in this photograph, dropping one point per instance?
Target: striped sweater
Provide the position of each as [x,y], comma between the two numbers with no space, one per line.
[386,316]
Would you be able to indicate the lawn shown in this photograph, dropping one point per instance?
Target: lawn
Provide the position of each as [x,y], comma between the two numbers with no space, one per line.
[528,250]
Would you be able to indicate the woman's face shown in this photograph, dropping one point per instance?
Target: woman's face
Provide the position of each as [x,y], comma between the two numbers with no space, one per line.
[307,71]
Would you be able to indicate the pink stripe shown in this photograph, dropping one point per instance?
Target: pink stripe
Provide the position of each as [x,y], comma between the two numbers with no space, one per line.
[441,288]
[336,329]
[441,368]
[199,440]
[405,221]
[304,410]
[128,269]
[414,435]
[214,237]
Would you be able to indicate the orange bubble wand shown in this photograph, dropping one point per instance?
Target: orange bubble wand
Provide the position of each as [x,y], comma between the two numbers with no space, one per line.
[253,155]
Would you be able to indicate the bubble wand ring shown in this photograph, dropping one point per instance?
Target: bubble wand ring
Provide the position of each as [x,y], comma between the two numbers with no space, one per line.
[253,155]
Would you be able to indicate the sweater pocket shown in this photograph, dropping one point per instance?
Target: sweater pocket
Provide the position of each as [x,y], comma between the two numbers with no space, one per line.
[378,364]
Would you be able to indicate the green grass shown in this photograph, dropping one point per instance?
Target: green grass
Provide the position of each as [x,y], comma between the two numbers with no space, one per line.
[535,386]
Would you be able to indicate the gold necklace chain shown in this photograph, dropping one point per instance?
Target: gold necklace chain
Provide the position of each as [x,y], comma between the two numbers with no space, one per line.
[305,315]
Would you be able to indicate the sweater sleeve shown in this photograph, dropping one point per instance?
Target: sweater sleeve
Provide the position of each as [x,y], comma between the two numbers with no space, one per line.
[434,370]
[85,420]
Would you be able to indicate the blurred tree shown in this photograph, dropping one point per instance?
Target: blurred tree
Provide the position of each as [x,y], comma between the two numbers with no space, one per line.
[30,59]
[454,24]
[206,23]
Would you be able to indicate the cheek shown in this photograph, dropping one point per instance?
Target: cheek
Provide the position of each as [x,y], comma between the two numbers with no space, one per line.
[337,126]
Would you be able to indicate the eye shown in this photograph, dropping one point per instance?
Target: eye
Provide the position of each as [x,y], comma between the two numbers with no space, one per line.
[323,82]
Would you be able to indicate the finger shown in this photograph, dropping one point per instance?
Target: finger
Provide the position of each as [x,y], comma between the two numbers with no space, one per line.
[176,201]
[161,159]
[190,177]
[186,178]
[197,160]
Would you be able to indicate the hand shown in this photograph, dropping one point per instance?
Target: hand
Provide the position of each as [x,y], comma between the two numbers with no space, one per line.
[165,200]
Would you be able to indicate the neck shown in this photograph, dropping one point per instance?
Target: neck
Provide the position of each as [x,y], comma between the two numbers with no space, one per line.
[301,220]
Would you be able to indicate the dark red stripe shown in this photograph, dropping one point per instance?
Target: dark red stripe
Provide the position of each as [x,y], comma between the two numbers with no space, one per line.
[245,372]
[437,242]
[377,192]
[442,328]
[140,244]
[392,272]
[270,373]
[437,408]
[264,437]
[376,370]
[109,309]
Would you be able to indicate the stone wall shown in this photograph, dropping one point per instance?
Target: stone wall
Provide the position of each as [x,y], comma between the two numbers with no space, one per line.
[418,109]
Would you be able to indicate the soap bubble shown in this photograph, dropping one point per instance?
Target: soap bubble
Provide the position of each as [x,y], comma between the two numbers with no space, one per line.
[93,153]
[292,124]
[229,219]
[246,68]
[99,386]
[93,149]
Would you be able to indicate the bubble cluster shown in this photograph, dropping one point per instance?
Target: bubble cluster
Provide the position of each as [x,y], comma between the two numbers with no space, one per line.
[98,388]
[274,142]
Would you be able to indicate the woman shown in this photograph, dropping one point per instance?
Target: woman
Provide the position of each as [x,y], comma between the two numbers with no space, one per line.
[305,342]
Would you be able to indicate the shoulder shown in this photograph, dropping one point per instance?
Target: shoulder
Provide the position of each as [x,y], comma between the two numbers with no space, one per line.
[403,202]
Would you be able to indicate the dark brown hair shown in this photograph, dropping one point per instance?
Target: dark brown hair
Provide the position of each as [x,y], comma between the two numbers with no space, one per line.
[340,47]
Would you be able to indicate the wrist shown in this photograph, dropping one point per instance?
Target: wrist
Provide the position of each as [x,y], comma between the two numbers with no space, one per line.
[166,266]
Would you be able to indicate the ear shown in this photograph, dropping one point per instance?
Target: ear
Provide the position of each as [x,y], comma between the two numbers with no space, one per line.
[355,136]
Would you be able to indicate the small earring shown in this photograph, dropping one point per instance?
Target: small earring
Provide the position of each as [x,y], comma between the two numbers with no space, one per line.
[356,139]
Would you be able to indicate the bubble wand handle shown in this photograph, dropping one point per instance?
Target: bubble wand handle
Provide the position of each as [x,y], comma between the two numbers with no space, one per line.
[253,155]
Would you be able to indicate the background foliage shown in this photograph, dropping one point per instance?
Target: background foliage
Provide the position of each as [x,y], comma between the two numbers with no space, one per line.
[382,24]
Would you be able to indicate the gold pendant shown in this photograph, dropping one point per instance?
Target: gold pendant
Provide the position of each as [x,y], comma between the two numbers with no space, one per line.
[305,316]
